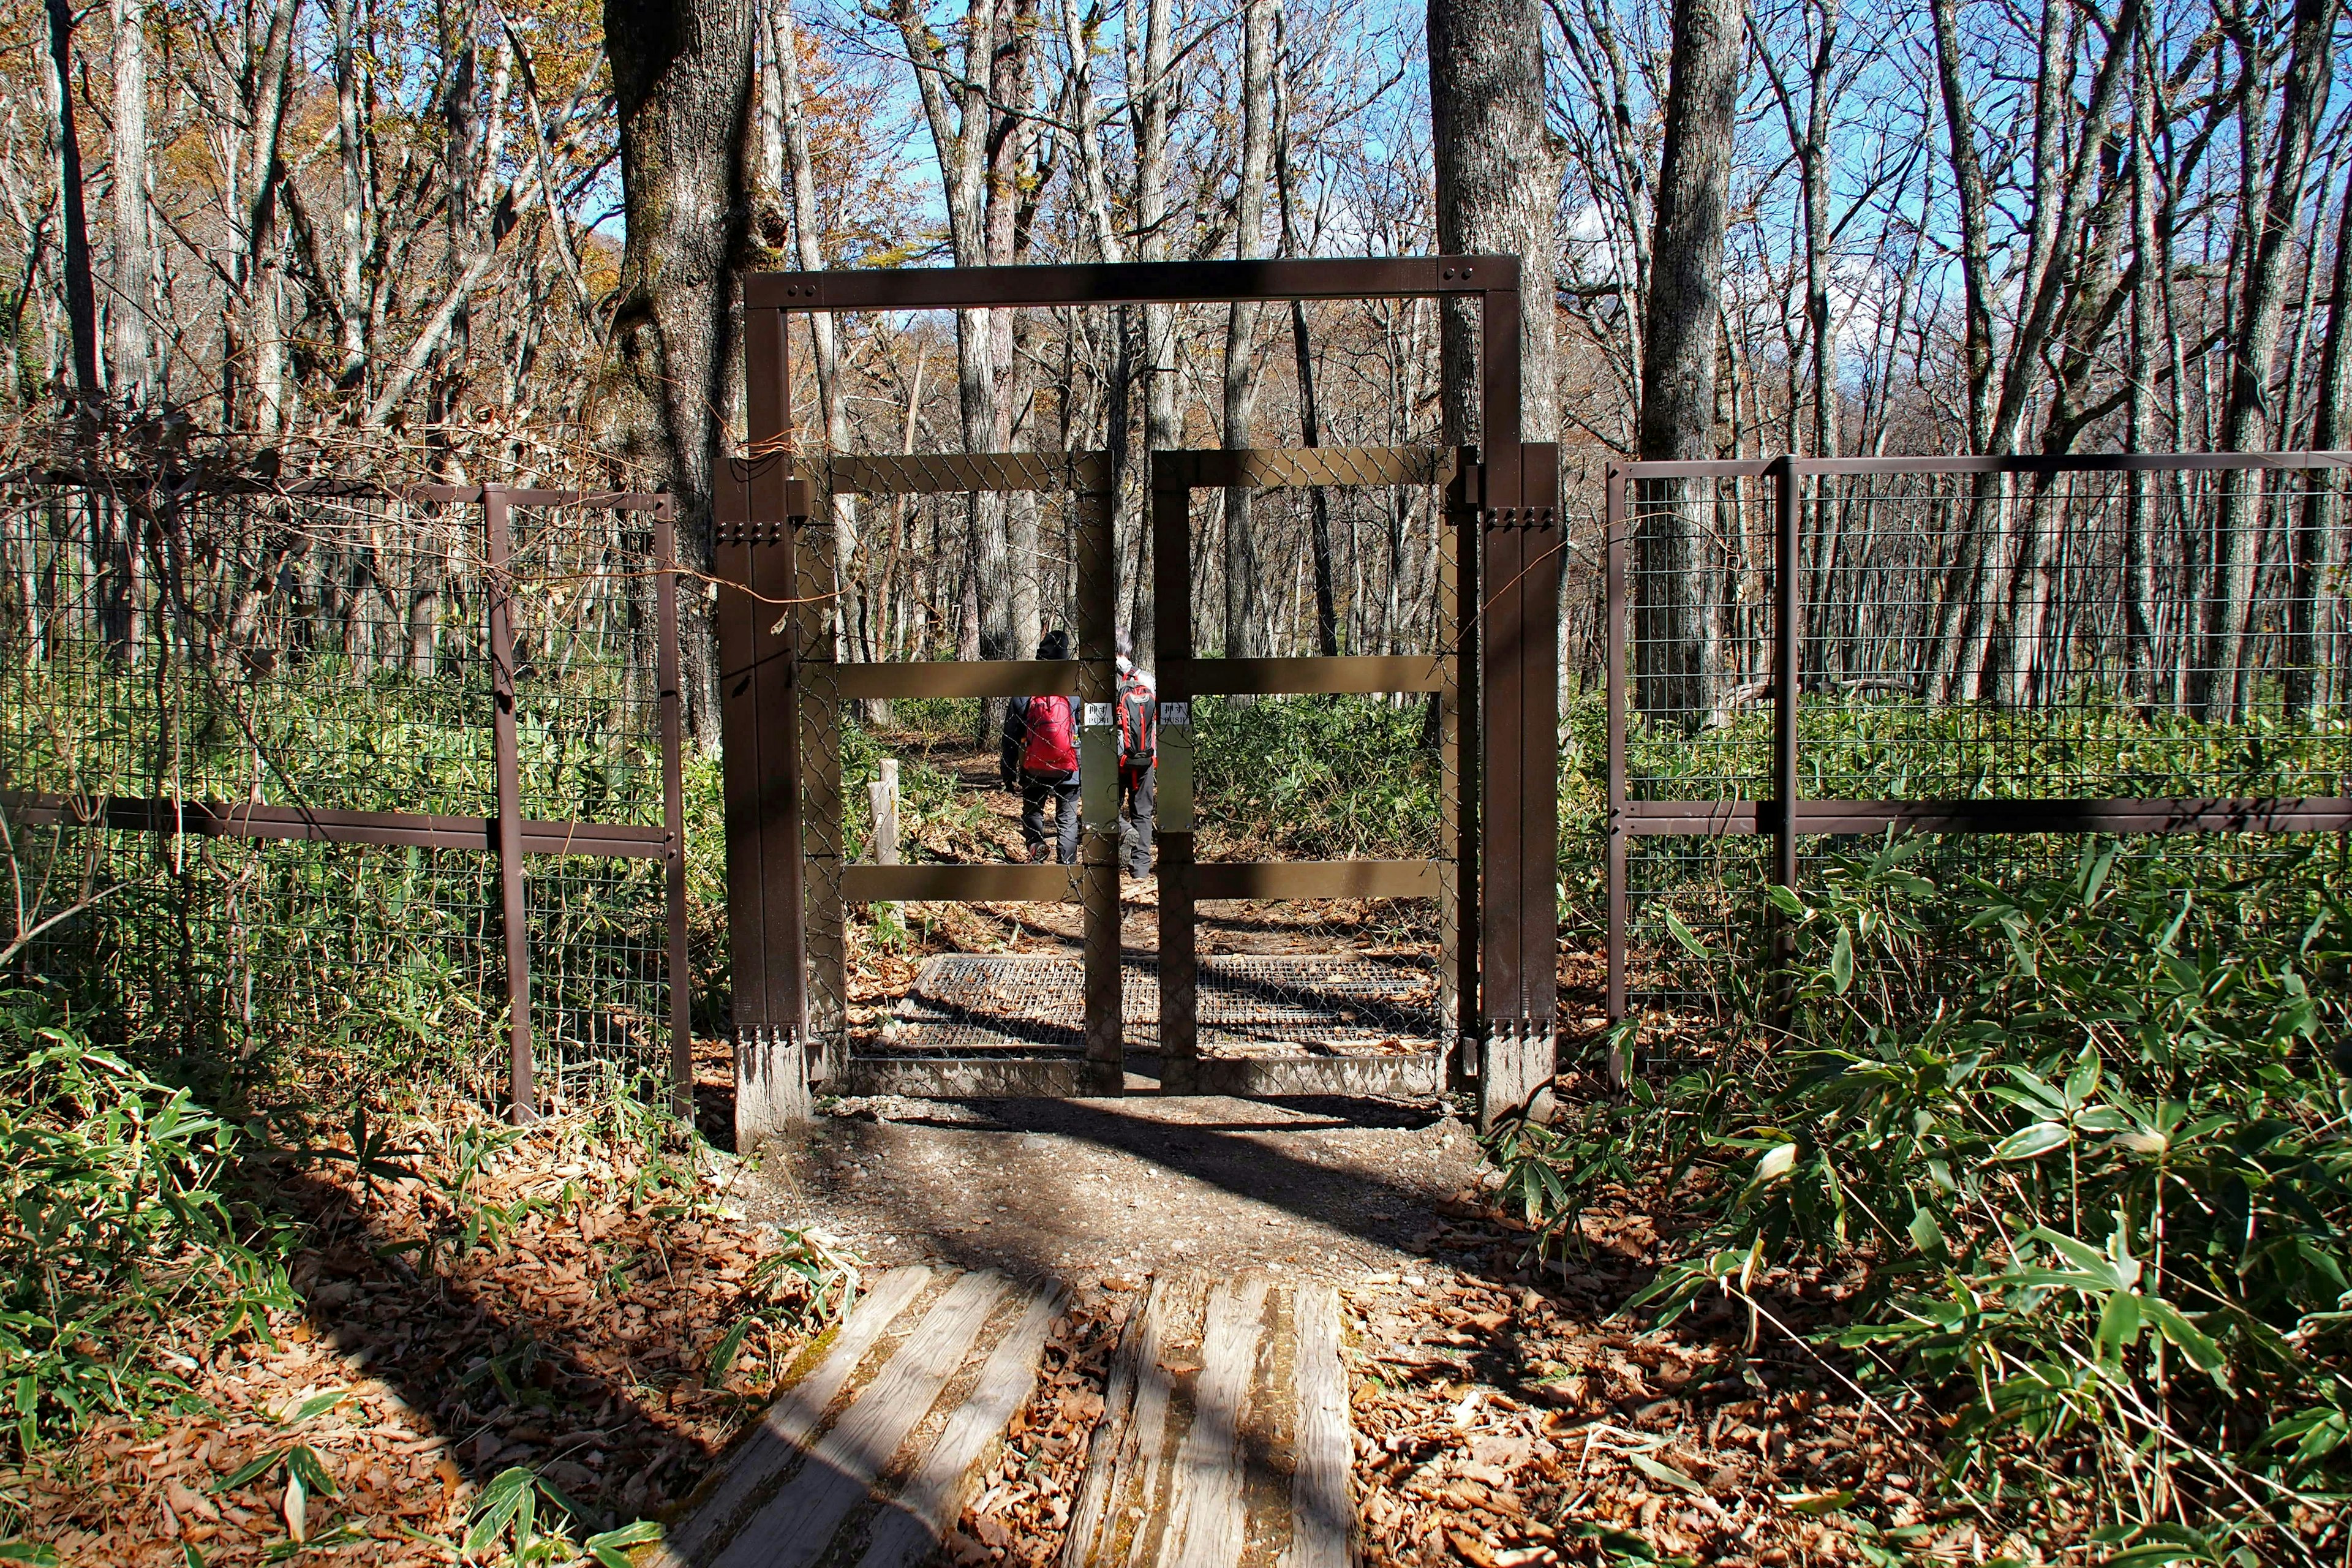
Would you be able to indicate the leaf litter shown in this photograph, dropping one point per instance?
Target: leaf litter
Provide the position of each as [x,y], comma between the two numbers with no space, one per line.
[563,1298]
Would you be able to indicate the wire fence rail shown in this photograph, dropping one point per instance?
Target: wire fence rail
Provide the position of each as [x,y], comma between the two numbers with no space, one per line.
[2030,647]
[278,758]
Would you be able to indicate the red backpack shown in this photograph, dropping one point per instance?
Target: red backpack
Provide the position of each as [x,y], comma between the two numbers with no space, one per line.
[1051,742]
[1139,724]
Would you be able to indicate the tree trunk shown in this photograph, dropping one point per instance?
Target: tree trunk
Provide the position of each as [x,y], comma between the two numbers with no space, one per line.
[1310,420]
[2139,508]
[2218,685]
[1497,193]
[2315,677]
[1245,618]
[1161,431]
[681,81]
[1675,632]
[132,374]
[800,173]
[82,295]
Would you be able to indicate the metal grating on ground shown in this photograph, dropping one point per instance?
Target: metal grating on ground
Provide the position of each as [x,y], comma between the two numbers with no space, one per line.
[1335,1003]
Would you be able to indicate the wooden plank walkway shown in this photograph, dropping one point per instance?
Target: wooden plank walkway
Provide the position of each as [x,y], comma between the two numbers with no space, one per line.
[869,1458]
[1225,1434]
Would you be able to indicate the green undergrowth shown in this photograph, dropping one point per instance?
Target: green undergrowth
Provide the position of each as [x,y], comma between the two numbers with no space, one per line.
[1316,777]
[121,1223]
[2081,1140]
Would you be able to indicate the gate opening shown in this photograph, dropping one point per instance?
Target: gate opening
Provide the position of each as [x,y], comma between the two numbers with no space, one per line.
[1251,958]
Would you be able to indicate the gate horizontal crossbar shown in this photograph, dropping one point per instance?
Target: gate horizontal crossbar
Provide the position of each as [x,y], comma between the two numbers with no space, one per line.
[1300,468]
[950,678]
[391,828]
[1708,818]
[1359,674]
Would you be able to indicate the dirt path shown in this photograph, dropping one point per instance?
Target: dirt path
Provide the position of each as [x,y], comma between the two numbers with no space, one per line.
[1089,1190]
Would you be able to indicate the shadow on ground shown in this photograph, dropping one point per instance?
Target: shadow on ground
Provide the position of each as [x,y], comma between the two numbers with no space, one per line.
[1082,1190]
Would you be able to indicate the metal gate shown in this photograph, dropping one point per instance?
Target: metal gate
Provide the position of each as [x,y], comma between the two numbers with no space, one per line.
[784,686]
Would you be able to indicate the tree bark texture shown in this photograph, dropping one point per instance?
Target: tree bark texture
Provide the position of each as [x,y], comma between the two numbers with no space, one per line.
[1245,618]
[1497,193]
[131,371]
[82,295]
[682,81]
[2219,684]
[2314,676]
[1674,631]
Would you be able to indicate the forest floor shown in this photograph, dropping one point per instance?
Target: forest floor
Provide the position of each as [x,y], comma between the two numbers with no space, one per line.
[1503,1414]
[557,1297]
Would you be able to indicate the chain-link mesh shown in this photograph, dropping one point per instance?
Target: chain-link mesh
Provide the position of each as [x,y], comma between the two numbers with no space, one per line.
[184,657]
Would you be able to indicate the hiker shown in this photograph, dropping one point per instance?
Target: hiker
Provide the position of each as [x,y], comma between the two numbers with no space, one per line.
[1041,756]
[1138,757]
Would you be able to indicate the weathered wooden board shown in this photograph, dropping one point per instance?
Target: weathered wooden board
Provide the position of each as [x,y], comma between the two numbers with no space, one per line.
[1322,1520]
[1225,1434]
[920,1384]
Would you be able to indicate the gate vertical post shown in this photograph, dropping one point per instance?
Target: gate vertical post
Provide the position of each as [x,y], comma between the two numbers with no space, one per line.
[1518,578]
[816,554]
[672,765]
[1612,636]
[1097,616]
[513,904]
[761,744]
[1171,601]
[1458,771]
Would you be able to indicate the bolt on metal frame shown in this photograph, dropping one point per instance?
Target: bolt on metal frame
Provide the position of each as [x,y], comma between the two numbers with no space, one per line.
[1782,813]
[766,662]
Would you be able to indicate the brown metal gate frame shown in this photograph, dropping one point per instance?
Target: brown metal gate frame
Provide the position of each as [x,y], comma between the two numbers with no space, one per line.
[773,653]
[1184,881]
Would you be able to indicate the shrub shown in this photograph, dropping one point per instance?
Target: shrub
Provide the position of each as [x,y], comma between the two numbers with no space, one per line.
[2081,1136]
[115,1229]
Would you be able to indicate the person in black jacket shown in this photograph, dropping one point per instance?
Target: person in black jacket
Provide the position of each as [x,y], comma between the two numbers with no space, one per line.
[1039,757]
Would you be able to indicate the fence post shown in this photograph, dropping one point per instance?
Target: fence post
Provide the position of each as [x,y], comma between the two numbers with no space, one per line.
[514,912]
[1613,634]
[1788,639]
[672,749]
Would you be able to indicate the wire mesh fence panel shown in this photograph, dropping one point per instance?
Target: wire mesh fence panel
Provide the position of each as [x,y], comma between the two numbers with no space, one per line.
[253,733]
[599,976]
[2070,634]
[323,650]
[1983,651]
[587,692]
[1303,781]
[358,958]
[1700,579]
[905,774]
